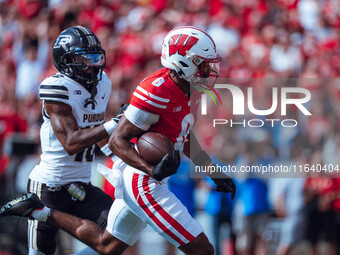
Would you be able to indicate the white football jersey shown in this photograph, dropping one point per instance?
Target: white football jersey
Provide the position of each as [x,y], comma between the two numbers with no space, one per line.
[56,166]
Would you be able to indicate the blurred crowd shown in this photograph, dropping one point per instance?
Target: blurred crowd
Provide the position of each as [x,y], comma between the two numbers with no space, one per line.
[272,39]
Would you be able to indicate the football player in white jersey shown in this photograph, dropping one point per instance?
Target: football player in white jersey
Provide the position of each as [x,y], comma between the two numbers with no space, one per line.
[74,104]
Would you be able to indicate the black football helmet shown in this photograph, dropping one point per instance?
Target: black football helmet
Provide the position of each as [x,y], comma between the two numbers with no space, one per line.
[77,53]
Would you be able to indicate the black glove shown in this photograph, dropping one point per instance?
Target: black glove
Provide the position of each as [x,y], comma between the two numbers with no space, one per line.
[167,166]
[224,183]
[122,108]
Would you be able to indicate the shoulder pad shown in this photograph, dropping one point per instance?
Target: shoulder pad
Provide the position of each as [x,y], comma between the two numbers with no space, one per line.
[54,88]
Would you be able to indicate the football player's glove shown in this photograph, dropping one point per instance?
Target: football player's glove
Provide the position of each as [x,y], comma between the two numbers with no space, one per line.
[224,183]
[122,108]
[167,166]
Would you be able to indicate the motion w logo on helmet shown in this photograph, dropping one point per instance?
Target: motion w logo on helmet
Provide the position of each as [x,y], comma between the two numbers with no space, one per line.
[181,44]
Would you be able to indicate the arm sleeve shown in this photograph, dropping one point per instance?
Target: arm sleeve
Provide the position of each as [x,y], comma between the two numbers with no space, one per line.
[140,118]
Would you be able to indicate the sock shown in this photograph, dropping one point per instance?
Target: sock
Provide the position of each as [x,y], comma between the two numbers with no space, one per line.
[41,214]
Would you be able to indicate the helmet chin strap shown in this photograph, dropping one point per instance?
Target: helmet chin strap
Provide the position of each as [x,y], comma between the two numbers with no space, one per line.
[195,86]
[181,75]
[88,80]
[91,100]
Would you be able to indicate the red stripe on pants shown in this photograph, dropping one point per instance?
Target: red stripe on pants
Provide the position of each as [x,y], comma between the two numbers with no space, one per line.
[149,213]
[174,223]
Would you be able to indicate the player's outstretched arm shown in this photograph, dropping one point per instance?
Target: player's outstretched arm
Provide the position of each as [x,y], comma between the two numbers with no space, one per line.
[200,158]
[119,142]
[192,148]
[67,131]
[103,144]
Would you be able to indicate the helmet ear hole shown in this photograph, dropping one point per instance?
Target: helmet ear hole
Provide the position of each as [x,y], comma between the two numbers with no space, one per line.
[180,73]
[65,69]
[64,65]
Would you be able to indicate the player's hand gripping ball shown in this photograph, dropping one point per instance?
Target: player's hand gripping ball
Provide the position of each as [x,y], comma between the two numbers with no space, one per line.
[158,151]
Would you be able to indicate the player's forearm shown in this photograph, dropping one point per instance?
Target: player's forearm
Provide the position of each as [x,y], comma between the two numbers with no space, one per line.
[104,147]
[192,148]
[103,142]
[124,150]
[83,138]
[66,129]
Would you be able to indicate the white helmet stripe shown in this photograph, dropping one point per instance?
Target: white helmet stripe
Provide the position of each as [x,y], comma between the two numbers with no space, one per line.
[186,41]
[89,35]
[179,37]
[85,30]
[92,40]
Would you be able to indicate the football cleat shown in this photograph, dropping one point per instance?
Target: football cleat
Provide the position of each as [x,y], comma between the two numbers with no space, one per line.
[22,206]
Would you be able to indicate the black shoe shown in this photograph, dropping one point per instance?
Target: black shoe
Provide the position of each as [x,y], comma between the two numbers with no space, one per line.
[22,206]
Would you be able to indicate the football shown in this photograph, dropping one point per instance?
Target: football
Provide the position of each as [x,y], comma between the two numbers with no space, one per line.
[153,146]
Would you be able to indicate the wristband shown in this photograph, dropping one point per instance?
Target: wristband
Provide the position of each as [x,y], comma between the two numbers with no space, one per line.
[106,150]
[110,126]
[201,158]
